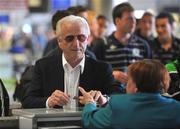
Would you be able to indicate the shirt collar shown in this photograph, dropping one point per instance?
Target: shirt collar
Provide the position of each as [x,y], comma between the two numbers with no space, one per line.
[81,64]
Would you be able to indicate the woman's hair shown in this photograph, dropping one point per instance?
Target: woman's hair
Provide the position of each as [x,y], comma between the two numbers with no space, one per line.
[148,75]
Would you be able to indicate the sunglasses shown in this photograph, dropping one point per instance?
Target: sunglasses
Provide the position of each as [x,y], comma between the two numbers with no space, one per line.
[80,37]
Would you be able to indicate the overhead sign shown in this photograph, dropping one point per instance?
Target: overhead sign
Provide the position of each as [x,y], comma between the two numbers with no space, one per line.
[13,5]
[60,4]
[4,19]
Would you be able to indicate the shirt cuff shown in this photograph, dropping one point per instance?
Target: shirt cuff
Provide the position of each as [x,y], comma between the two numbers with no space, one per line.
[47,103]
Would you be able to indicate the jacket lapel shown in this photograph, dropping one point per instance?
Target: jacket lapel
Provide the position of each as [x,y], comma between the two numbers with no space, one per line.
[59,72]
[86,76]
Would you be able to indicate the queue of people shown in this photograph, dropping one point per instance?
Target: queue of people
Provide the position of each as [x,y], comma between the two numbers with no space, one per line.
[124,72]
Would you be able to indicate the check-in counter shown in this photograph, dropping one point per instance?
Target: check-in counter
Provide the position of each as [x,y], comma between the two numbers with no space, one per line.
[43,118]
[9,122]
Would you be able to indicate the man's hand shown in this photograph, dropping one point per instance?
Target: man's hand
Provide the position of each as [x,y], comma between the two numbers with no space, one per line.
[120,76]
[58,98]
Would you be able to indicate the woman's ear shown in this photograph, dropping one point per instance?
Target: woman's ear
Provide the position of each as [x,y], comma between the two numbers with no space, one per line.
[131,86]
[135,90]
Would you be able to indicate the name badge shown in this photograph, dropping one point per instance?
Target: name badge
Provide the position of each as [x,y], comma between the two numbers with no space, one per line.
[136,52]
[113,47]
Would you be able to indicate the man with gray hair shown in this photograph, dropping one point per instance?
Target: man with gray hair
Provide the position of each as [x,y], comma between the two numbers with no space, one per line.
[56,78]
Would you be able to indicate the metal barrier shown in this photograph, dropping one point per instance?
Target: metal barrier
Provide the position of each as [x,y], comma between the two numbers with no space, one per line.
[48,118]
[9,122]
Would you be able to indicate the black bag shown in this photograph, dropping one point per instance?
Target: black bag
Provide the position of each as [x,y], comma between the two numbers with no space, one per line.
[174,89]
[22,86]
[4,100]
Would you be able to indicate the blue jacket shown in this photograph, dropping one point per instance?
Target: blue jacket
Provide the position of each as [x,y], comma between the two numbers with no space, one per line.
[134,111]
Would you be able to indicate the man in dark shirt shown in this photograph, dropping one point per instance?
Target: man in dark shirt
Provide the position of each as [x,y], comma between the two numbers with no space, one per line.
[145,27]
[53,43]
[166,46]
[123,47]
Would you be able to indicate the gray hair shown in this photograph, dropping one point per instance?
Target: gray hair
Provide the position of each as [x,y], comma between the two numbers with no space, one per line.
[71,19]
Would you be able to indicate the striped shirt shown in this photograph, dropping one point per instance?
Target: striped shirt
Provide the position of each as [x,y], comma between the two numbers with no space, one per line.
[166,56]
[120,56]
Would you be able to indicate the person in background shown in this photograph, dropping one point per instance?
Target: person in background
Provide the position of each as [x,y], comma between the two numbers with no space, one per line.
[146,26]
[53,43]
[165,46]
[22,42]
[39,40]
[123,47]
[93,25]
[22,52]
[78,11]
[103,24]
[56,77]
[142,107]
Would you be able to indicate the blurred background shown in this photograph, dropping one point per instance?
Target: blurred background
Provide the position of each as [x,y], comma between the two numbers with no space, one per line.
[27,23]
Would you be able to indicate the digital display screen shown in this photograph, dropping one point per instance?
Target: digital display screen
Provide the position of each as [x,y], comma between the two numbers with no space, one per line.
[4,19]
[60,4]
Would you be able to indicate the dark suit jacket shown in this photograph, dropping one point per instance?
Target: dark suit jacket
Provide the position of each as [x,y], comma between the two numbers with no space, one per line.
[48,76]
